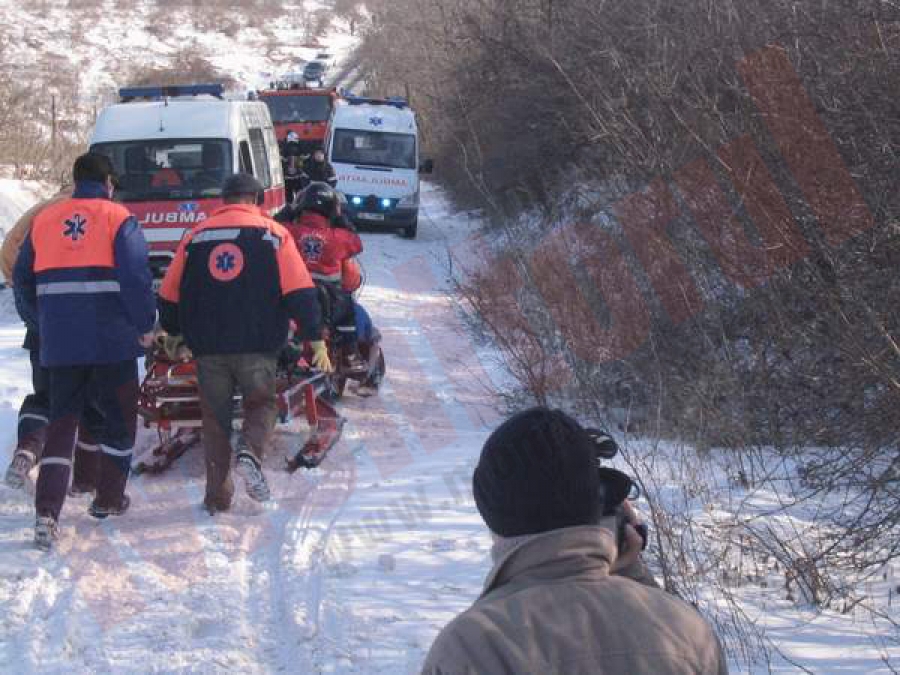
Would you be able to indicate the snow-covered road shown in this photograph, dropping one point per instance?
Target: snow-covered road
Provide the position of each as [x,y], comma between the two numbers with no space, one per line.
[355,566]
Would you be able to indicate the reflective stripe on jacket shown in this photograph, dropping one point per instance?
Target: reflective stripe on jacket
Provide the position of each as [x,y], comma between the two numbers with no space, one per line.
[234,283]
[82,278]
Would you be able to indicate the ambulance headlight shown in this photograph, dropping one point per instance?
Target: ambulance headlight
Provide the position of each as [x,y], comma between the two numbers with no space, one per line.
[385,203]
[409,200]
[356,200]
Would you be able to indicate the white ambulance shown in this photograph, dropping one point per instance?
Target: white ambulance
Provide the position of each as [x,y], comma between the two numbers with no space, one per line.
[373,145]
[173,147]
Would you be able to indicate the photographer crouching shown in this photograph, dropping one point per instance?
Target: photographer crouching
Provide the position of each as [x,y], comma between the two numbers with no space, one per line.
[568,592]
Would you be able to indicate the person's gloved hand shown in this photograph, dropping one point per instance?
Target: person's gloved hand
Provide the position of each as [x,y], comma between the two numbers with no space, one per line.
[320,358]
[175,348]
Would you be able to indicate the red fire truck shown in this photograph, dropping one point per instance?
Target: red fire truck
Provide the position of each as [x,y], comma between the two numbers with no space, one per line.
[304,111]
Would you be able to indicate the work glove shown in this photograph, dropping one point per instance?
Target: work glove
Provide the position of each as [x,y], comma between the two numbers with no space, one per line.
[175,349]
[320,358]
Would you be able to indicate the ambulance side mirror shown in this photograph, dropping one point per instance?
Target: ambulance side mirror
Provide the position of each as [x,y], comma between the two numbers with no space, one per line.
[427,166]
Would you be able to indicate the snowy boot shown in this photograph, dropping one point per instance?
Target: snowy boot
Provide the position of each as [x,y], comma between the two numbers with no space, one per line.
[102,512]
[21,464]
[248,469]
[46,532]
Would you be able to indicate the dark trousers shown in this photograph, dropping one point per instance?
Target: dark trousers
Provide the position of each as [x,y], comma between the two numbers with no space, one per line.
[220,377]
[34,416]
[112,390]
[339,313]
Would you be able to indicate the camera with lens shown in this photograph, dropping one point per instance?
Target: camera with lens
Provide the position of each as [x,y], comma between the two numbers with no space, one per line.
[615,488]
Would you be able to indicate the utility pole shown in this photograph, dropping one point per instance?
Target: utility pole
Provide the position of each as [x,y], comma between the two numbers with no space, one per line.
[550,23]
[53,121]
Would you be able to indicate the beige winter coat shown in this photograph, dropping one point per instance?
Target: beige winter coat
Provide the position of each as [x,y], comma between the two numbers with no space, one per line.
[551,606]
[12,242]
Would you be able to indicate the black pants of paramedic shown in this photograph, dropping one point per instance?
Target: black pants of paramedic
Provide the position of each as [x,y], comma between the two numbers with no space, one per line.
[112,389]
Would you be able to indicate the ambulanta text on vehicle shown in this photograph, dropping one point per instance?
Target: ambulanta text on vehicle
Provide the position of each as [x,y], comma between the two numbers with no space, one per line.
[173,147]
[373,145]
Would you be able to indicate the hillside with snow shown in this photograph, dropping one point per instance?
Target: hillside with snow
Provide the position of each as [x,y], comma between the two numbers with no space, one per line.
[98,45]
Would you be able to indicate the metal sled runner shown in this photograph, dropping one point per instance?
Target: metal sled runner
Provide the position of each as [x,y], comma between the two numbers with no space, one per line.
[170,403]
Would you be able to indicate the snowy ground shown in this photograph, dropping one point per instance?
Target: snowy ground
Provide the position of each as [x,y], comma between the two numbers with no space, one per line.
[15,197]
[353,570]
[356,566]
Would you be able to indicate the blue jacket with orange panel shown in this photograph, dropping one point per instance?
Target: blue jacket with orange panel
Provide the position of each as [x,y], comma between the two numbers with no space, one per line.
[236,280]
[82,280]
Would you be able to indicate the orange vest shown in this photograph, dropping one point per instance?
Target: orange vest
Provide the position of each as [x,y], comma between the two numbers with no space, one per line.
[76,233]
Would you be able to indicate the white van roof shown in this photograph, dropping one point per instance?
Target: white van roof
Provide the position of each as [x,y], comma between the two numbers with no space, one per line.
[177,118]
[390,116]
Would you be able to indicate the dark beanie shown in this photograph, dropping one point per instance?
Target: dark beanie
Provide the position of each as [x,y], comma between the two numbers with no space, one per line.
[538,471]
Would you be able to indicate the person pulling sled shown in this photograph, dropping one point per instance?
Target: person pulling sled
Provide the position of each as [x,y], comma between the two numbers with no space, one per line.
[234,284]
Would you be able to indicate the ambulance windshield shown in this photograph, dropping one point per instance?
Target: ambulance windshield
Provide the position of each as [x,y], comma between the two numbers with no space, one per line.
[299,108]
[168,168]
[374,148]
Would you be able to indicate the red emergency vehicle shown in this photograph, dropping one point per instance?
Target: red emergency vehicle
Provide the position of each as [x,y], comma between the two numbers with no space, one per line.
[302,110]
[173,147]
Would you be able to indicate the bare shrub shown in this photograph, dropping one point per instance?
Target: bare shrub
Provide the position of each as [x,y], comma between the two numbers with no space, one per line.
[186,67]
[787,347]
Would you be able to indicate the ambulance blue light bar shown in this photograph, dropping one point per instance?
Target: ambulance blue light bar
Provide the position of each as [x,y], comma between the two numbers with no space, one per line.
[395,101]
[155,93]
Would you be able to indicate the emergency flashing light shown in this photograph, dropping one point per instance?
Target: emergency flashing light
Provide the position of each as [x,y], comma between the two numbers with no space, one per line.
[386,203]
[395,101]
[356,201]
[127,94]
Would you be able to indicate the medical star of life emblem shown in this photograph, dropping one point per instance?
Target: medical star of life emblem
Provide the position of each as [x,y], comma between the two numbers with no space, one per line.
[311,248]
[376,121]
[226,262]
[75,227]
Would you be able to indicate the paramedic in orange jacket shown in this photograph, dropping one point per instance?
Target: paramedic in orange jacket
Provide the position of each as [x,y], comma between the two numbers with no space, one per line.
[82,280]
[325,247]
[34,412]
[234,284]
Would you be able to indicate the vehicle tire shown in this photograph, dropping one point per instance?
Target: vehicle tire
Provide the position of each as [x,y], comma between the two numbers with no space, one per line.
[409,232]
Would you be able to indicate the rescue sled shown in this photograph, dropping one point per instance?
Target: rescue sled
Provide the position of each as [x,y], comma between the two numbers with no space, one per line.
[169,402]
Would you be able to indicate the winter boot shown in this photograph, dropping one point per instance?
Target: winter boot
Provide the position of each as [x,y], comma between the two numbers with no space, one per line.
[22,462]
[248,469]
[214,506]
[101,512]
[46,532]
